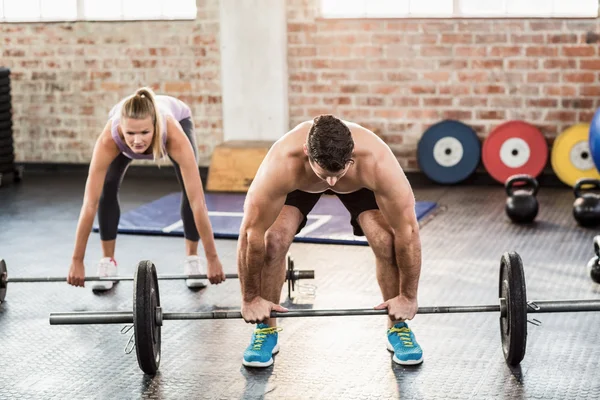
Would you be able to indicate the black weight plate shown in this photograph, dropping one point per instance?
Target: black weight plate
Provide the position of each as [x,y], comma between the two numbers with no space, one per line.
[7,151]
[5,116]
[5,134]
[7,168]
[6,125]
[8,159]
[290,274]
[4,89]
[4,81]
[3,280]
[5,103]
[147,332]
[5,142]
[513,325]
[4,72]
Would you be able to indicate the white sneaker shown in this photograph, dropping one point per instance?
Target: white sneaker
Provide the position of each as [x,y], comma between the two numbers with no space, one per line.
[194,265]
[106,267]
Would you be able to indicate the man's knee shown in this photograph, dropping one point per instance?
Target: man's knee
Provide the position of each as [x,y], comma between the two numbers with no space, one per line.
[276,245]
[382,244]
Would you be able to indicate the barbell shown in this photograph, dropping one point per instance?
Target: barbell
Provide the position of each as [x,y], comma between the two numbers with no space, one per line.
[147,316]
[292,275]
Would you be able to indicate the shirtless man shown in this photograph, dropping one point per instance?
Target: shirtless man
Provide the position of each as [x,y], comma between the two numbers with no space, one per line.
[329,154]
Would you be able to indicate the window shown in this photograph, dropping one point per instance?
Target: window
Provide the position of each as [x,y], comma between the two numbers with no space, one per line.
[459,8]
[95,10]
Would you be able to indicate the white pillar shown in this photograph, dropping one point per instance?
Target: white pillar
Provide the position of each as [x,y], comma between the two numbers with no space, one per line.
[254,74]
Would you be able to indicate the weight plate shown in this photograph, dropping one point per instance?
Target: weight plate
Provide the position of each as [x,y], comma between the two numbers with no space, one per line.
[512,148]
[4,72]
[594,139]
[9,159]
[513,324]
[5,142]
[7,168]
[4,89]
[4,81]
[6,125]
[290,274]
[448,152]
[6,134]
[147,332]
[571,156]
[6,150]
[3,280]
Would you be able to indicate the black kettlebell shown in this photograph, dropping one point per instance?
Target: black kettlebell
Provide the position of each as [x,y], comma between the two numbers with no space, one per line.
[521,205]
[586,207]
[594,264]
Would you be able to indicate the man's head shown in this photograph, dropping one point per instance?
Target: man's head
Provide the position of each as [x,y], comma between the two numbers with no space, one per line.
[329,148]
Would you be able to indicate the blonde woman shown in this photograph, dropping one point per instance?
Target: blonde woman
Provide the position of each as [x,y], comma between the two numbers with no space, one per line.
[144,126]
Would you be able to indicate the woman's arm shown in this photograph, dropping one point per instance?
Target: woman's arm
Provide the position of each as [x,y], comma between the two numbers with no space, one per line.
[105,151]
[180,149]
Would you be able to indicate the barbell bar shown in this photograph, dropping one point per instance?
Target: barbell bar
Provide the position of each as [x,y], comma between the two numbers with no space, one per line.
[126,317]
[292,276]
[147,316]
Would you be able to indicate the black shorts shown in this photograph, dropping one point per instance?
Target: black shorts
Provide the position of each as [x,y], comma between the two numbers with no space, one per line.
[355,202]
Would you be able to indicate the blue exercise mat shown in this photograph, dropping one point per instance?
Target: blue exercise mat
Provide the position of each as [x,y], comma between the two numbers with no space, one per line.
[328,222]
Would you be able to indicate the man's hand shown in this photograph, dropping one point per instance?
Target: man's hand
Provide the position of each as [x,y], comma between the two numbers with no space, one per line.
[400,308]
[258,310]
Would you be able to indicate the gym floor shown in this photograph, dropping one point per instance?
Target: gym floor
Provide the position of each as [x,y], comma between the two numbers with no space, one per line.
[320,358]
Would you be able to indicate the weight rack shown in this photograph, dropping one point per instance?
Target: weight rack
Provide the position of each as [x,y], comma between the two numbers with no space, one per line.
[8,170]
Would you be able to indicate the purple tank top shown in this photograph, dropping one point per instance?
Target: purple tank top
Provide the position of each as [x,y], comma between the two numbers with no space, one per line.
[167,106]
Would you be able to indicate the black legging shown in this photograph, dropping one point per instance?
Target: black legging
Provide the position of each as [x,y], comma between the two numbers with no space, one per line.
[109,211]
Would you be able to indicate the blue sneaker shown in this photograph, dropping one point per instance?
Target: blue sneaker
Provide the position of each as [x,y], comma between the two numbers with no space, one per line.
[262,347]
[402,342]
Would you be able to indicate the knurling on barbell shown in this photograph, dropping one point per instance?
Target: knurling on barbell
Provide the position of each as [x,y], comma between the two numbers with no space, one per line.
[148,317]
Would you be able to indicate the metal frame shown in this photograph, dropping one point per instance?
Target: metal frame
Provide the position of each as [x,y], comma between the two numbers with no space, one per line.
[458,13]
[80,15]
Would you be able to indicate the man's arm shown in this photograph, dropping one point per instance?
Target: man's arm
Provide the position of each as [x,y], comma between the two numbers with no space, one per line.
[264,201]
[397,203]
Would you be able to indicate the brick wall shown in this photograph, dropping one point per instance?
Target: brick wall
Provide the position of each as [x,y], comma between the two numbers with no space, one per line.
[399,76]
[67,76]
[394,76]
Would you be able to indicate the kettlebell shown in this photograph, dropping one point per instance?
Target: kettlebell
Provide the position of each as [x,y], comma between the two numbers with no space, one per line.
[586,207]
[521,205]
[594,264]
[594,268]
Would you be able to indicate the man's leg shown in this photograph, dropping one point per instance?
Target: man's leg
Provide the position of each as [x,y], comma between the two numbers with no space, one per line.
[381,240]
[278,238]
[368,221]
